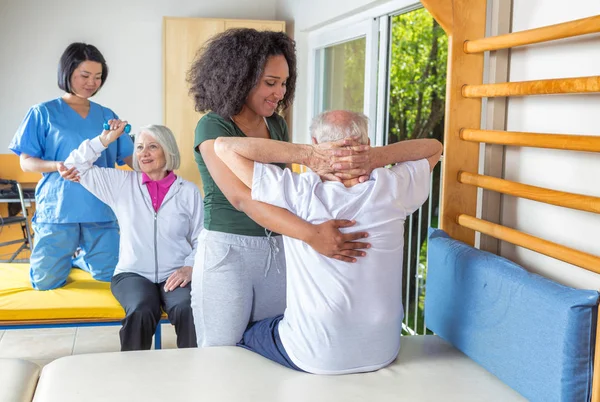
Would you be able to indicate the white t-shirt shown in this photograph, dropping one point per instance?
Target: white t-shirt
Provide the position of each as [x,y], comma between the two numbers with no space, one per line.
[341,317]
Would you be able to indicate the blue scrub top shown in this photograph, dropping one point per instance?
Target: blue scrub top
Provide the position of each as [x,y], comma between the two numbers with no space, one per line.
[50,131]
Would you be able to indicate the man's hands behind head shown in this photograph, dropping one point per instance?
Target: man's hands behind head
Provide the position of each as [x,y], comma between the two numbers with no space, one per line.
[344,160]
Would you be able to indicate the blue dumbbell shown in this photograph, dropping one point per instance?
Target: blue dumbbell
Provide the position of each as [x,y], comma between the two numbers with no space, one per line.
[127,128]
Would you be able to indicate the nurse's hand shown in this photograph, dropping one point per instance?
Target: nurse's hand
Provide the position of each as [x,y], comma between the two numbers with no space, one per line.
[117,128]
[179,278]
[67,174]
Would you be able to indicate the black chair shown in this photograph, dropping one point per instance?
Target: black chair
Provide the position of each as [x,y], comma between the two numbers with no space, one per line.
[11,192]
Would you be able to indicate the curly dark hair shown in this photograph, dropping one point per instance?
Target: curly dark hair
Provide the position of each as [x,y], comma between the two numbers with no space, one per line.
[230,65]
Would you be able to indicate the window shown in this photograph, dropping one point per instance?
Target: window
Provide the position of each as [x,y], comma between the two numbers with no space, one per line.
[344,72]
[344,76]
[417,77]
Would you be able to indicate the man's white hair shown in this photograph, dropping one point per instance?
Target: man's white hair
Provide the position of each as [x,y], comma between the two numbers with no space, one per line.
[334,125]
[167,142]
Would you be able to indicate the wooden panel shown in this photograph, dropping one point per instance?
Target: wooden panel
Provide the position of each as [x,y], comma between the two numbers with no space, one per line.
[589,143]
[182,38]
[552,32]
[559,198]
[577,85]
[441,11]
[554,250]
[469,18]
[277,26]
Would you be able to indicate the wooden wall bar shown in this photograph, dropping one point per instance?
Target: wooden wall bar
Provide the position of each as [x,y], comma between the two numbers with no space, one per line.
[559,198]
[577,85]
[588,143]
[569,29]
[560,252]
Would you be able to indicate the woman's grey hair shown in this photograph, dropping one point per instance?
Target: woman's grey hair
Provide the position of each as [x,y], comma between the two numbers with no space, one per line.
[334,125]
[166,140]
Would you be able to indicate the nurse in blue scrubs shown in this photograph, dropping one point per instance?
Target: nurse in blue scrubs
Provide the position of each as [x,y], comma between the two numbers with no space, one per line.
[67,216]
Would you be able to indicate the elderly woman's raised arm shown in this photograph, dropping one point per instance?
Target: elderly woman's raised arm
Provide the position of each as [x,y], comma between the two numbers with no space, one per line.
[104,183]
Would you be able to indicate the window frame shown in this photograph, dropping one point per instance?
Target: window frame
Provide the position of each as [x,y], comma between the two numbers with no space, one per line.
[324,39]
[373,25]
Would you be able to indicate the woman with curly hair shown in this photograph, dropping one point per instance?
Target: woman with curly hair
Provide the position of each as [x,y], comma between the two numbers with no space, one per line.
[244,78]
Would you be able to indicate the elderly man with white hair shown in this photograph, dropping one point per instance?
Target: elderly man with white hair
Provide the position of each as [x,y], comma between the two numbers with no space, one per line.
[340,318]
[160,217]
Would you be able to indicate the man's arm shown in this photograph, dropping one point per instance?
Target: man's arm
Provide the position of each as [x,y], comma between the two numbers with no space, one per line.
[325,238]
[235,152]
[410,150]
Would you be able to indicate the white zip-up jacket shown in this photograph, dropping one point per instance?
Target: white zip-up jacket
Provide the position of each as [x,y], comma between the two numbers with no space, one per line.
[153,244]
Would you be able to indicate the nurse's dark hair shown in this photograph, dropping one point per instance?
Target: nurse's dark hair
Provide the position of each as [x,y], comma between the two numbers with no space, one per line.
[75,54]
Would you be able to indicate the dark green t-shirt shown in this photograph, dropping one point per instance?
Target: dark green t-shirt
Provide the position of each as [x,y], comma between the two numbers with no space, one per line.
[219,214]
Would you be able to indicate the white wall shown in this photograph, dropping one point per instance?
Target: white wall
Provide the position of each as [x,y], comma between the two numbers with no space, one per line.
[577,172]
[34,33]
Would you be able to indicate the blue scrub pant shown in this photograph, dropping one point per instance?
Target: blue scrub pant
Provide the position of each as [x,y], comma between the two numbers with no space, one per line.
[55,244]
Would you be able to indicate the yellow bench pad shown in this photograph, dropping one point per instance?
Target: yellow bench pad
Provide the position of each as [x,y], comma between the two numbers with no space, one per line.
[80,299]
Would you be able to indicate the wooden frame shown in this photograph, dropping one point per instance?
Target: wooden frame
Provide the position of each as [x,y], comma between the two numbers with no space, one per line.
[460,163]
[468,21]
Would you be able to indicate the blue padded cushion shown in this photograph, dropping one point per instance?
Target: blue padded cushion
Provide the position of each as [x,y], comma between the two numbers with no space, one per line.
[535,335]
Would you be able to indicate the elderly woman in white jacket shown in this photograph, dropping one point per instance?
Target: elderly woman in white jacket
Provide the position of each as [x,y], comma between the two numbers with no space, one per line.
[160,217]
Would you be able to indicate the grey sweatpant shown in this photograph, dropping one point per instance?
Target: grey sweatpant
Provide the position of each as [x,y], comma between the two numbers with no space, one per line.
[236,280]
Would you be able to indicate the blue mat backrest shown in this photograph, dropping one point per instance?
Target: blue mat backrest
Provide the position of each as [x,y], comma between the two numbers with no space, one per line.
[535,335]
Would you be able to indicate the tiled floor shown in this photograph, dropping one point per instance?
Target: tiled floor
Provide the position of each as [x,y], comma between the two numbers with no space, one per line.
[41,346]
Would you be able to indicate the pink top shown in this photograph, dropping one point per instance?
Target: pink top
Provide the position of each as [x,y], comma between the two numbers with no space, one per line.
[158,189]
